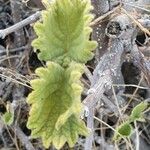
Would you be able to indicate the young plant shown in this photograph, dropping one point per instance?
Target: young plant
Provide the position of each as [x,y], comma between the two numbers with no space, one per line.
[125,129]
[63,41]
[8,116]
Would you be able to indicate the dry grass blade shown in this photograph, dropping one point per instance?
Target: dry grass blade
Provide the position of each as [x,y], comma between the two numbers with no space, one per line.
[99,19]
[136,22]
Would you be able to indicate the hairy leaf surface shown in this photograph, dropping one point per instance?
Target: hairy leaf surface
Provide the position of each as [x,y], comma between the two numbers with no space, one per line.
[8,118]
[56,105]
[137,112]
[64,31]
[124,130]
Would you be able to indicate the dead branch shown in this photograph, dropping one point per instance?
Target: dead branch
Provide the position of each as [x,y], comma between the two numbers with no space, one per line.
[23,138]
[141,62]
[19,25]
[17,17]
[107,72]
[90,125]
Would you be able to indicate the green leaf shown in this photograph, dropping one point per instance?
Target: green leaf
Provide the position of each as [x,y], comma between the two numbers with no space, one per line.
[123,131]
[8,118]
[56,105]
[62,37]
[64,32]
[137,112]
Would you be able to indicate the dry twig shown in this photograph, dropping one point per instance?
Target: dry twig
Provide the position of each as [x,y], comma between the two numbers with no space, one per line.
[19,25]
